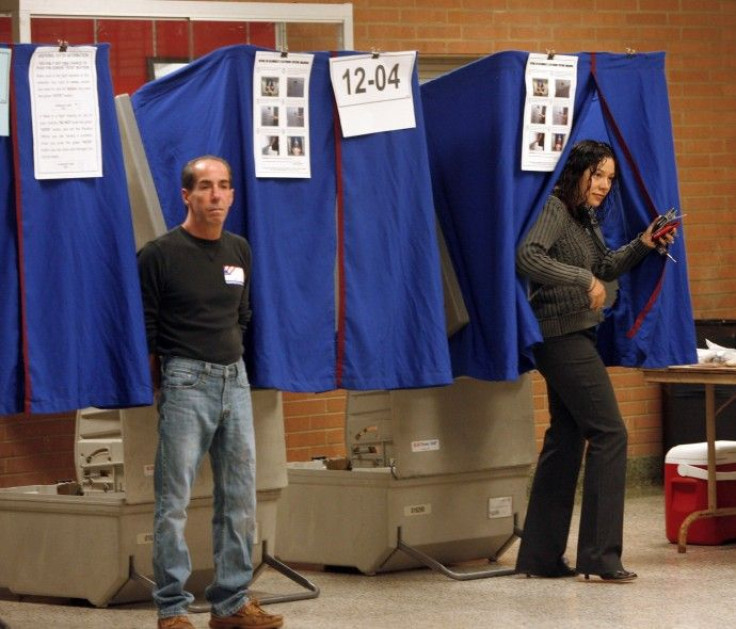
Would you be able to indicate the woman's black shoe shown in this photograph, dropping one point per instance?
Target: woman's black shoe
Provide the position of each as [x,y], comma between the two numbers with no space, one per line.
[620,576]
[560,571]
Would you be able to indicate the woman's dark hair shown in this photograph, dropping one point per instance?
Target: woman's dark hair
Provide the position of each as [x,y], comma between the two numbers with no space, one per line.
[583,158]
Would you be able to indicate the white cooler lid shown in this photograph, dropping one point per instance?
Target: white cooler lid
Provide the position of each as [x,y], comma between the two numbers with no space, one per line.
[697,453]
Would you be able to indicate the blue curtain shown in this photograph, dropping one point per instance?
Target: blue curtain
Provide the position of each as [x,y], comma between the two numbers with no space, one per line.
[395,329]
[289,223]
[389,332]
[486,203]
[82,333]
[11,374]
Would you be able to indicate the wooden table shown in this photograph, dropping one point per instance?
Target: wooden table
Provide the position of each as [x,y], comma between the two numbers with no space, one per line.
[709,377]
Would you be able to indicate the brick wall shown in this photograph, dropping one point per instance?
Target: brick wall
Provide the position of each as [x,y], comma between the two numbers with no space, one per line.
[314,425]
[36,450]
[698,37]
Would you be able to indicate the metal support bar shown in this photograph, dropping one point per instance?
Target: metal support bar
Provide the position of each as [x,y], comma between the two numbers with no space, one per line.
[137,576]
[458,576]
[151,585]
[512,538]
[312,591]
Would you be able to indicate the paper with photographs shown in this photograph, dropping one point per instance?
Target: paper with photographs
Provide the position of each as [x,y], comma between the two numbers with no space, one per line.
[548,109]
[281,114]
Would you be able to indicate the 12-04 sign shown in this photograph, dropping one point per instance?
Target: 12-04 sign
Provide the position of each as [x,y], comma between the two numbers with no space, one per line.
[358,83]
[374,93]
[358,79]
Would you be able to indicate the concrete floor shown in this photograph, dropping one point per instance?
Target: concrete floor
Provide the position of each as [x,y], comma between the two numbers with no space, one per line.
[673,590]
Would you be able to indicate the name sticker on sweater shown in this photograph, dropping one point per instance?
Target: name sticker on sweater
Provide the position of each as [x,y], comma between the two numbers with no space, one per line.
[234,275]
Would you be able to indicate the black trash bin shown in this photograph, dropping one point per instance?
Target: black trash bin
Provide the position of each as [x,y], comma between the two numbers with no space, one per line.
[683,405]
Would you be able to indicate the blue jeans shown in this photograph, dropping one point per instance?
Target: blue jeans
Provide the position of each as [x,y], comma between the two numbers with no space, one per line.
[204,407]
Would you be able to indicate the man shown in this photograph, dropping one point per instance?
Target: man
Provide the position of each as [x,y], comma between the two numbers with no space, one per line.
[195,285]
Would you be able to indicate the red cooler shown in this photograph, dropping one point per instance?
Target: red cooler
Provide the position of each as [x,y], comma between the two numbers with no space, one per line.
[686,490]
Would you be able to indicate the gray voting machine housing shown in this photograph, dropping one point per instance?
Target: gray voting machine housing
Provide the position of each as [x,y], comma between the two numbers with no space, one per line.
[439,476]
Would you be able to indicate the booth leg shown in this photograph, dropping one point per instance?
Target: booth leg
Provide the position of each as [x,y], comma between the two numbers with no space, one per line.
[435,565]
[312,591]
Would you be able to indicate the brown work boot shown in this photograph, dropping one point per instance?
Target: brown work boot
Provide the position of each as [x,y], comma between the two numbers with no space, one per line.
[175,622]
[249,616]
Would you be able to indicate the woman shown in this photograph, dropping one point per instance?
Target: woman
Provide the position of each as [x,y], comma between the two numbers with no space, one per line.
[567,261]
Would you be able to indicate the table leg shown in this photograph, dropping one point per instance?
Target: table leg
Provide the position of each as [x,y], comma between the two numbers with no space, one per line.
[710,437]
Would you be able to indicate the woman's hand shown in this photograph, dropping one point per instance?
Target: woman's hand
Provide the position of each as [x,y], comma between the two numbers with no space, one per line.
[597,294]
[665,241]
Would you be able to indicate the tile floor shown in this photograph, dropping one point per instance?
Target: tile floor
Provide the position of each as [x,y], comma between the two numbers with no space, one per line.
[693,590]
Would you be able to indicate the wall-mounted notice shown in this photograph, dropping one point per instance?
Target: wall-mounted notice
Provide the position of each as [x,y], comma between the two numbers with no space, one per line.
[65,113]
[551,81]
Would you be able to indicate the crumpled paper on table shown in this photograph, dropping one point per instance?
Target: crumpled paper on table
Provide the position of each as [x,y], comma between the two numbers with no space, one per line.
[715,354]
